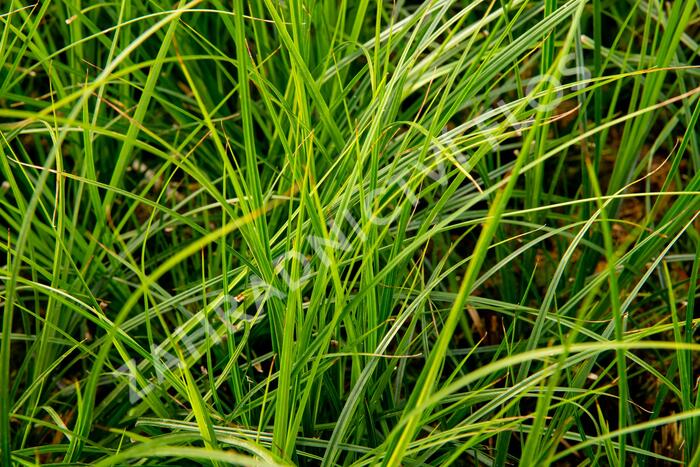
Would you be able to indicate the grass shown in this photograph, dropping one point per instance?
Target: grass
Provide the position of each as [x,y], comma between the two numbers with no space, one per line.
[349,233]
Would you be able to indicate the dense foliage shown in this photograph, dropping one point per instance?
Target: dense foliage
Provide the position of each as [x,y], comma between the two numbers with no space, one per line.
[349,232]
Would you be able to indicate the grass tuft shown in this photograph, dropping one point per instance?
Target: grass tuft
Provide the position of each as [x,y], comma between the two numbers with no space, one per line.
[349,233]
